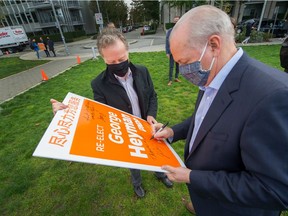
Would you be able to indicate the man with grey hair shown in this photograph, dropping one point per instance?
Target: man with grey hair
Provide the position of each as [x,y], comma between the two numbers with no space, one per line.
[236,139]
[125,86]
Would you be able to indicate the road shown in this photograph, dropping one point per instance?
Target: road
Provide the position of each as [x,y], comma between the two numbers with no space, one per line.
[136,41]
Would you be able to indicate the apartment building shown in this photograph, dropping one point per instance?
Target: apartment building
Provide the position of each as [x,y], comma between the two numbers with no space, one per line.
[39,16]
[239,9]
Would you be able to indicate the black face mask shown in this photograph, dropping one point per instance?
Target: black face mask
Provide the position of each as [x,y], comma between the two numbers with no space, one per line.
[118,69]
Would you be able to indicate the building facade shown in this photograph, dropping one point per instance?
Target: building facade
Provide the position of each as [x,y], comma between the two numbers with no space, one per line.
[239,9]
[38,17]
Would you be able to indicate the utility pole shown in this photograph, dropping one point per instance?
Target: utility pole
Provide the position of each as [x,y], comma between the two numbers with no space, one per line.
[59,27]
[101,25]
[262,14]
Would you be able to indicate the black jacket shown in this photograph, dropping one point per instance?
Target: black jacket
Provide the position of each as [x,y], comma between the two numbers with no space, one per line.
[284,54]
[108,90]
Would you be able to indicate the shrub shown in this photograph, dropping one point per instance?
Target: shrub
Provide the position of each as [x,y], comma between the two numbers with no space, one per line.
[148,32]
[154,26]
[169,25]
[255,37]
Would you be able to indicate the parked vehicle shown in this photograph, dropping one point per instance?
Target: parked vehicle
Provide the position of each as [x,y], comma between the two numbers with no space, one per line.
[12,39]
[241,25]
[125,29]
[267,25]
[130,28]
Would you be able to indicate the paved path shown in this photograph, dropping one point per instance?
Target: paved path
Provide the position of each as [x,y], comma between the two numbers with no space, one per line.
[21,82]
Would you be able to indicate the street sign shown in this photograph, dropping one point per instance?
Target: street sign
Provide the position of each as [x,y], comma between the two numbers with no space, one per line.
[99,19]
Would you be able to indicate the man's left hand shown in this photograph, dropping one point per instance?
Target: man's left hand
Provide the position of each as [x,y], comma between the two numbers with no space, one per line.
[179,174]
[151,120]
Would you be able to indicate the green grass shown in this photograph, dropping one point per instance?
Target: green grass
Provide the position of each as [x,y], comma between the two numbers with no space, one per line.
[39,186]
[13,65]
[269,54]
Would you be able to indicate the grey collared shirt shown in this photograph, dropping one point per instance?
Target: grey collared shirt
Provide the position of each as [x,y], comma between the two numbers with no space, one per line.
[127,83]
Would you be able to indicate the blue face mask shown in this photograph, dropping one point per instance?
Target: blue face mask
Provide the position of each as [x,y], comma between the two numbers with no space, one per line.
[194,73]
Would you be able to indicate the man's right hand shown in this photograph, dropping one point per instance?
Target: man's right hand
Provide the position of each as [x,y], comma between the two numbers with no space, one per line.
[164,134]
[56,105]
[168,56]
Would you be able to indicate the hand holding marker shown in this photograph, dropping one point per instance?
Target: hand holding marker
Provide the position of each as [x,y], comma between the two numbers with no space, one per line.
[160,129]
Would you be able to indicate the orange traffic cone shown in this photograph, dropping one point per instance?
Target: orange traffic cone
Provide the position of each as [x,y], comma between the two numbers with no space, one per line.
[78,59]
[44,76]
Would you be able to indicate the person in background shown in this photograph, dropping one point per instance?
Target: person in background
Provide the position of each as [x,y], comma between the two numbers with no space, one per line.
[285,28]
[233,21]
[110,25]
[125,86]
[247,33]
[236,139]
[51,46]
[45,46]
[170,56]
[284,55]
[36,48]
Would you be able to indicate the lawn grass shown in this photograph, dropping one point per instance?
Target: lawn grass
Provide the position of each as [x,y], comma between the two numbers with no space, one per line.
[269,54]
[39,186]
[13,65]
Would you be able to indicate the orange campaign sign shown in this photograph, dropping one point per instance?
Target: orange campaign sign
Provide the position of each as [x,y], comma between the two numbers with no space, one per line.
[41,46]
[92,132]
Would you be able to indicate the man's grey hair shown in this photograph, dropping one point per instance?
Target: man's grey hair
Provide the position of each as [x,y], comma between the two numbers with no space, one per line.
[204,21]
[108,37]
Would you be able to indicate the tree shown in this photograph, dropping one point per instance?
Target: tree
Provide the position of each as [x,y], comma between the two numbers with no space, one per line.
[184,4]
[2,16]
[142,11]
[151,9]
[137,12]
[112,11]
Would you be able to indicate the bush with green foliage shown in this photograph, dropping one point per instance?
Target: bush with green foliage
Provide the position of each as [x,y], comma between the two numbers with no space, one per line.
[255,37]
[148,32]
[154,26]
[169,25]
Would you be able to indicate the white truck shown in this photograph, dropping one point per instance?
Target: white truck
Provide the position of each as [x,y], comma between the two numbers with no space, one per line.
[12,39]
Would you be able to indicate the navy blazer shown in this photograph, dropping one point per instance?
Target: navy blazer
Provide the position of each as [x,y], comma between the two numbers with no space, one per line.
[108,90]
[167,45]
[239,159]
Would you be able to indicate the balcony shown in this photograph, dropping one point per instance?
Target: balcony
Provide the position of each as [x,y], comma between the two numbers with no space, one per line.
[73,5]
[50,24]
[43,5]
[77,22]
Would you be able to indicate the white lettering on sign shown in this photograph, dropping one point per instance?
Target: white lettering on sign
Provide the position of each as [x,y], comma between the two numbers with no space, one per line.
[100,138]
[137,150]
[115,136]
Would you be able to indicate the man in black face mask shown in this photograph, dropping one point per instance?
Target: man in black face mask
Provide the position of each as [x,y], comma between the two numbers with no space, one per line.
[125,86]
